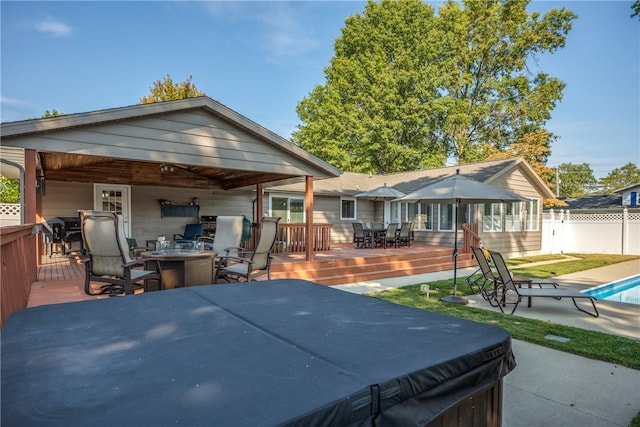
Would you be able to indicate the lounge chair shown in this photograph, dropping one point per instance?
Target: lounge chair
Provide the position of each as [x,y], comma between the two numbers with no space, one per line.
[487,278]
[506,283]
[250,264]
[108,258]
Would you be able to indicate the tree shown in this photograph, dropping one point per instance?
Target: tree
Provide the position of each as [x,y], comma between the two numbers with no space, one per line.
[636,9]
[374,112]
[9,190]
[491,96]
[166,90]
[575,180]
[407,89]
[621,177]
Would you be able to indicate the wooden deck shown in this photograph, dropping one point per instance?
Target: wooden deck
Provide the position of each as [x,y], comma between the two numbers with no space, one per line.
[61,278]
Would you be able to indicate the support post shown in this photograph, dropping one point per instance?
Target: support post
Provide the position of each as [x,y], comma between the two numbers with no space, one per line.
[308,203]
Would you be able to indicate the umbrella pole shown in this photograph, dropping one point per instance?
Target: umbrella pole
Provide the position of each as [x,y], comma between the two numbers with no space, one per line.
[455,299]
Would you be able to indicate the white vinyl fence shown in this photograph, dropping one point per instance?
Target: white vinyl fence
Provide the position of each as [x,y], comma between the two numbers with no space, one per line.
[9,214]
[609,233]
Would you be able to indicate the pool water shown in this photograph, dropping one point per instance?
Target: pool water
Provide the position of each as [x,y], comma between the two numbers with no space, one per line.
[625,290]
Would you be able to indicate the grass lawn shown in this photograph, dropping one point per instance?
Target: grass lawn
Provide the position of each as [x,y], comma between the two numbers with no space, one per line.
[591,344]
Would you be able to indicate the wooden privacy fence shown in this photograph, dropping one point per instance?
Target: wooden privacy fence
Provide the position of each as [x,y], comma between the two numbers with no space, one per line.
[19,268]
[292,237]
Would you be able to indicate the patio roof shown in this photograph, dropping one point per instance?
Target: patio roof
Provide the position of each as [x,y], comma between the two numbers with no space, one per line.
[206,144]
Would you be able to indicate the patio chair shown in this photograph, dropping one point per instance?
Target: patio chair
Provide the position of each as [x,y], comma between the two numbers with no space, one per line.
[391,235]
[249,265]
[108,258]
[488,277]
[228,235]
[191,233]
[361,237]
[135,250]
[404,236]
[508,287]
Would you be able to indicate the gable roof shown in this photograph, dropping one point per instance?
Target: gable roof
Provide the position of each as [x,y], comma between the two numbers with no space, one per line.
[209,145]
[350,183]
[635,186]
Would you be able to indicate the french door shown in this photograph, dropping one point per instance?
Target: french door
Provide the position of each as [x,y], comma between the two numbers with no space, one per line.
[114,198]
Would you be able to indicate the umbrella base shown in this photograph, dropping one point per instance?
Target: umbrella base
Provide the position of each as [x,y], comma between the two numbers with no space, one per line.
[454,299]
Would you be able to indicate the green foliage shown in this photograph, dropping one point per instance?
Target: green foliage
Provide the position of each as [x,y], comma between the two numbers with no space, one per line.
[9,190]
[167,90]
[636,12]
[408,87]
[620,177]
[53,113]
[575,180]
[375,112]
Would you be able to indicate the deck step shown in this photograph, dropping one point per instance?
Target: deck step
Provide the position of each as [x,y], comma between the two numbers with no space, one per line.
[341,271]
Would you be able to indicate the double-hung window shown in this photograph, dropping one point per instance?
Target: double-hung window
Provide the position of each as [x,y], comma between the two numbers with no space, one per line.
[348,209]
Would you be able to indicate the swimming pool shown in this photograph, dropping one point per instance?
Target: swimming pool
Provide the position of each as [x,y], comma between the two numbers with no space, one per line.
[625,290]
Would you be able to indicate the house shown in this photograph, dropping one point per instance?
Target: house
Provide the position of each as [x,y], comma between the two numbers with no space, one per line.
[630,195]
[166,164]
[511,228]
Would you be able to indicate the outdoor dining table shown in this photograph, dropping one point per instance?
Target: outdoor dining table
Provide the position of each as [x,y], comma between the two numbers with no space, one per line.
[374,233]
[272,353]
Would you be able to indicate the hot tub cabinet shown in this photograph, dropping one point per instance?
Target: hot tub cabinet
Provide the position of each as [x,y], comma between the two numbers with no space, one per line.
[275,353]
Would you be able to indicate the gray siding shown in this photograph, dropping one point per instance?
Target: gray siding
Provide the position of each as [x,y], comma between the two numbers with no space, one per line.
[66,199]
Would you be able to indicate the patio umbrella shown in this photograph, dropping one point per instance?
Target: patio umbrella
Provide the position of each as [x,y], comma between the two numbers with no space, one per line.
[381,193]
[458,190]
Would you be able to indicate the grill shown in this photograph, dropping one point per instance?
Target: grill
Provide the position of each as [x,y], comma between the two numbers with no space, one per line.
[209,222]
[64,231]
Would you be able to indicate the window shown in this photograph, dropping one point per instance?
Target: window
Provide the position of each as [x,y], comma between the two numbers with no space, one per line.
[463,215]
[513,217]
[348,209]
[532,215]
[426,215]
[492,218]
[421,214]
[289,209]
[445,217]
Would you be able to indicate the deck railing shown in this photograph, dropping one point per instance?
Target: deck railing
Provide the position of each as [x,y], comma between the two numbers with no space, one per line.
[19,268]
[471,237]
[292,237]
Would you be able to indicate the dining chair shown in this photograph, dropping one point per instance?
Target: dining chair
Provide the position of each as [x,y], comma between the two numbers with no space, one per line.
[391,235]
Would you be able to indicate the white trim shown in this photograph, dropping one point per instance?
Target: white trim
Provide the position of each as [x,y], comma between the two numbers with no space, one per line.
[355,208]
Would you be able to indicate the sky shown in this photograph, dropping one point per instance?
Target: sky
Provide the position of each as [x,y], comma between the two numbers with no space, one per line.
[261,58]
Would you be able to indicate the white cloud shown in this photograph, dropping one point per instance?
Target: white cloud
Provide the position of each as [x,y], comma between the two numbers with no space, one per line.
[280,29]
[13,102]
[53,28]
